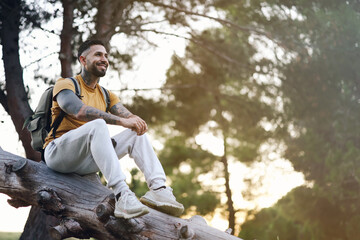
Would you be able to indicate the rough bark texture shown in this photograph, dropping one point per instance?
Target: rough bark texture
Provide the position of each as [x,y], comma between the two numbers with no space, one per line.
[66,35]
[85,207]
[17,100]
[110,14]
[37,225]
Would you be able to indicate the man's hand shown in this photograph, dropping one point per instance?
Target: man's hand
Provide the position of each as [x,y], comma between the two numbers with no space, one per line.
[72,105]
[136,124]
[128,119]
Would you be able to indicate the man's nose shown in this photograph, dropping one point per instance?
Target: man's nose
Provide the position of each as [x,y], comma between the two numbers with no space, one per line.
[104,59]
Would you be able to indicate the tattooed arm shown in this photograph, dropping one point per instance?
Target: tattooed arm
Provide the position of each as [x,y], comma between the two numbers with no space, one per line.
[121,111]
[73,106]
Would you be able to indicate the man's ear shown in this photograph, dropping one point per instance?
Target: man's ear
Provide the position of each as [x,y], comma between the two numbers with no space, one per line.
[82,60]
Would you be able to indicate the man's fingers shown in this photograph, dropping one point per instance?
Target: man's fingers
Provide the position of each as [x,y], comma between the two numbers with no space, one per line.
[142,124]
[143,127]
[139,125]
[139,128]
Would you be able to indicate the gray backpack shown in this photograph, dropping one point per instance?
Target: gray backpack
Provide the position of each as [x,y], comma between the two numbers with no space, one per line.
[39,124]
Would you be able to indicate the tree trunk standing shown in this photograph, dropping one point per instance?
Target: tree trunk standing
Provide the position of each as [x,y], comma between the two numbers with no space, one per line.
[66,35]
[17,99]
[17,102]
[38,224]
[228,192]
[110,14]
[230,202]
[104,19]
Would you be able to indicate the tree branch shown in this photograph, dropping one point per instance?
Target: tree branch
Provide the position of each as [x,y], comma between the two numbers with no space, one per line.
[39,59]
[225,22]
[201,44]
[222,21]
[164,33]
[85,207]
[169,87]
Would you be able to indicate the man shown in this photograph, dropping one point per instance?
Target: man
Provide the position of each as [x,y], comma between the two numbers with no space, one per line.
[82,143]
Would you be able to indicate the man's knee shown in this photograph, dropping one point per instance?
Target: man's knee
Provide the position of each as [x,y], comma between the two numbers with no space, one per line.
[97,128]
[97,124]
[130,132]
[125,137]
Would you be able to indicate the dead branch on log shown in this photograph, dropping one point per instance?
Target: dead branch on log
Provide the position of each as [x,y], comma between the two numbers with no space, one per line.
[85,207]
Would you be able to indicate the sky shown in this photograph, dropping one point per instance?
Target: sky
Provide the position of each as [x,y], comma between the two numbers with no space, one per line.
[279,175]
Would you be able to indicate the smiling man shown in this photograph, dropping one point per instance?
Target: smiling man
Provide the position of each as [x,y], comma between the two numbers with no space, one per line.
[81,144]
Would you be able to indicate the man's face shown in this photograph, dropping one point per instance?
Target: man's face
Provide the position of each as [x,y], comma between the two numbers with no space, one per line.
[96,60]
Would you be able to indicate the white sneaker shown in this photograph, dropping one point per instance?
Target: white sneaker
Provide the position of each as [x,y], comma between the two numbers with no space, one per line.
[163,200]
[128,206]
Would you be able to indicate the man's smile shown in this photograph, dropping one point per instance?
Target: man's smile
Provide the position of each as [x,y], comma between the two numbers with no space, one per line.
[102,65]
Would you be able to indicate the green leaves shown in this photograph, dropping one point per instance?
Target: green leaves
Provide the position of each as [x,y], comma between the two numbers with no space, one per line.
[320,93]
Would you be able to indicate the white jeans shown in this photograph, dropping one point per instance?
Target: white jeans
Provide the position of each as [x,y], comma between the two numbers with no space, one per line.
[89,149]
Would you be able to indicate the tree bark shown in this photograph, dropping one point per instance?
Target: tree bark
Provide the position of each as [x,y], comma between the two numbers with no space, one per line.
[17,104]
[109,16]
[16,96]
[228,193]
[38,224]
[66,35]
[85,207]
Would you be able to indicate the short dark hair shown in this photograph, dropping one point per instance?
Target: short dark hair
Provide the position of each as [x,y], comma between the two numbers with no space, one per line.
[87,44]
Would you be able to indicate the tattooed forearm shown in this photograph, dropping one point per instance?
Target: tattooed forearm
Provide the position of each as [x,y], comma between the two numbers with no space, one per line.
[121,111]
[88,113]
[133,122]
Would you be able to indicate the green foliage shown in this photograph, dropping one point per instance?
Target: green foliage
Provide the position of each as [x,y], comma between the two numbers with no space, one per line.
[9,235]
[152,111]
[184,161]
[208,91]
[178,150]
[278,228]
[195,197]
[138,184]
[299,215]
[324,105]
[320,91]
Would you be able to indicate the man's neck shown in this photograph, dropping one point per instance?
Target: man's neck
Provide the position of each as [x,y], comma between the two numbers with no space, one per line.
[89,79]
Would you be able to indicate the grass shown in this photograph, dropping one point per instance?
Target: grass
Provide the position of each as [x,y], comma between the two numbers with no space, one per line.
[9,235]
[16,235]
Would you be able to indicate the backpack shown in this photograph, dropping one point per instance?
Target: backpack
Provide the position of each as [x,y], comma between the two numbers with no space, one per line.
[39,124]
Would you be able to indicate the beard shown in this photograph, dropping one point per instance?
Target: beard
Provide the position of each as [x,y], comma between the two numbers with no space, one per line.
[93,69]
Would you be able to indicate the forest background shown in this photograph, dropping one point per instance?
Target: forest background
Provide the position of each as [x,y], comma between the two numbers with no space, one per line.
[272,81]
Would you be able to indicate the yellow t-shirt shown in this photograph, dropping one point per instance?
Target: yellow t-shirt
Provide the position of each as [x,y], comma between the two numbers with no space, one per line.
[90,97]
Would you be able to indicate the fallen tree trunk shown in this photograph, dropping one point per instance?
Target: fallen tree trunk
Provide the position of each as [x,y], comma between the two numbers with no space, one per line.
[85,207]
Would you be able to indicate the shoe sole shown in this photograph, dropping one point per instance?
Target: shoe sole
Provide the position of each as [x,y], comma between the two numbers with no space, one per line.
[163,207]
[131,215]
